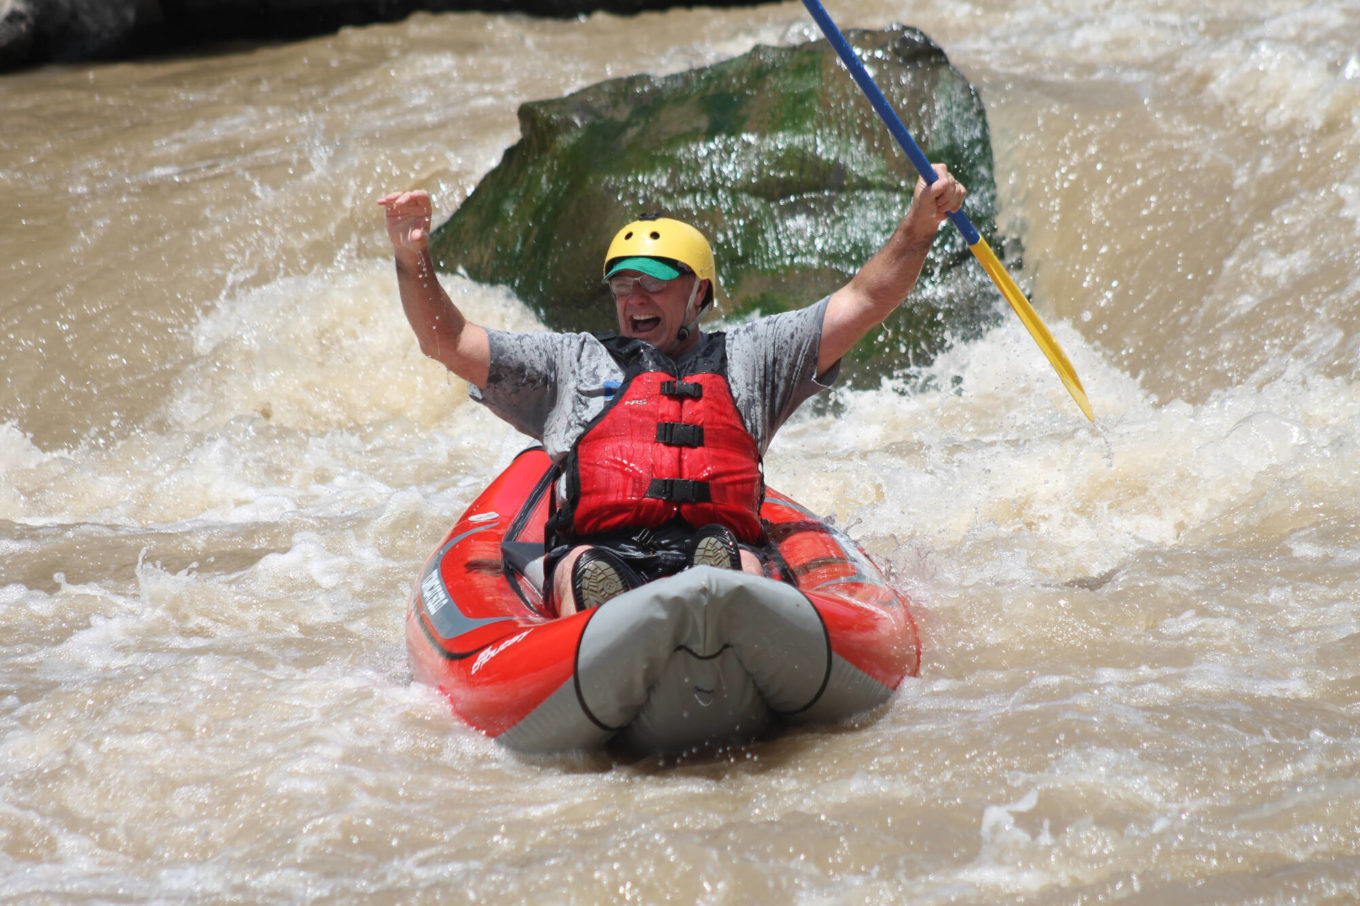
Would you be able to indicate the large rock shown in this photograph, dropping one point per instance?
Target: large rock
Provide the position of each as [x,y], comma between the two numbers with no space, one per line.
[775,155]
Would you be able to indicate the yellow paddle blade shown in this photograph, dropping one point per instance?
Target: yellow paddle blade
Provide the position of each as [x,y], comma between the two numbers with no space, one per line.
[1056,357]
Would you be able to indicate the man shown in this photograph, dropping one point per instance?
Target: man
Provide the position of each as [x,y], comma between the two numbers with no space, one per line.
[660,430]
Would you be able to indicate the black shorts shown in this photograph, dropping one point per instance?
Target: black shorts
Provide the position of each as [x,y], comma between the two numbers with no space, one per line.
[652,553]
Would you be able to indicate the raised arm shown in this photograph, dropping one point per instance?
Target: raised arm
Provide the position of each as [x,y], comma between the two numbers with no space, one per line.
[887,278]
[445,335]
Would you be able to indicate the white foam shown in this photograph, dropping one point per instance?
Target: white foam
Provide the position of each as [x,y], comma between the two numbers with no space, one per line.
[326,351]
[1007,469]
[1281,75]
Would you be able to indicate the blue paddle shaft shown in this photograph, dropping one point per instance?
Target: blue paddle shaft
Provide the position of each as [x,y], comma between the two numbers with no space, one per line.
[885,110]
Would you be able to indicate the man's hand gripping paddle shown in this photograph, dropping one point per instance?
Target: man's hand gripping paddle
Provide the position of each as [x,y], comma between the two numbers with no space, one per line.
[979,247]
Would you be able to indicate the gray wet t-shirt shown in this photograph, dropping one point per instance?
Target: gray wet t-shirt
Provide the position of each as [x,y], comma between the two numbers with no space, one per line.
[550,386]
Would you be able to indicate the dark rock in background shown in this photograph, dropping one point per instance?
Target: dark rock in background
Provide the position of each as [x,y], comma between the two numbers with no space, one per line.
[41,31]
[775,155]
[18,26]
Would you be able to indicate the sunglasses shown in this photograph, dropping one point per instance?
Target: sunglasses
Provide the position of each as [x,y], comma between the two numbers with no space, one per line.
[622,286]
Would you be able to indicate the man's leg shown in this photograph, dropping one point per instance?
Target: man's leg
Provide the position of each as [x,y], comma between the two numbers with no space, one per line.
[588,576]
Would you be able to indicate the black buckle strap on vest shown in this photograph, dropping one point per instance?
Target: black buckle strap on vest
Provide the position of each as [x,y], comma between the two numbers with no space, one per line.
[679,434]
[679,490]
[682,388]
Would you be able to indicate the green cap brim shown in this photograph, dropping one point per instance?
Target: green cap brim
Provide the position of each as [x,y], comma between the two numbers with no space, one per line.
[652,267]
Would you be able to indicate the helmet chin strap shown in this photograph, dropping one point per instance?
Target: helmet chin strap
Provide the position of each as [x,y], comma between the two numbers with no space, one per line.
[691,320]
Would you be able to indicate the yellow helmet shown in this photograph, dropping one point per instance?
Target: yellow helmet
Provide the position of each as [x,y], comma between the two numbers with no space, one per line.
[665,239]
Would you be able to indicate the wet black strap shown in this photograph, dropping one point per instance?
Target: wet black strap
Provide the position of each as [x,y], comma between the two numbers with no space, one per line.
[679,434]
[679,490]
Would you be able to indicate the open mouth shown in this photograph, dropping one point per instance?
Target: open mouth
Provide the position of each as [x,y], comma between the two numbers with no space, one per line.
[643,325]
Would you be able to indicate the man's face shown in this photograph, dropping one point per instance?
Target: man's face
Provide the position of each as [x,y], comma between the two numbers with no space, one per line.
[653,310]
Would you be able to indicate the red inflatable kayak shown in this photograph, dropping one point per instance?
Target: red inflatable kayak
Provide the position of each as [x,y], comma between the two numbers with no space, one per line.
[707,656]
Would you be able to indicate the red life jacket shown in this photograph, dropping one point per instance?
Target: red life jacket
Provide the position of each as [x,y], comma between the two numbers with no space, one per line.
[667,446]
